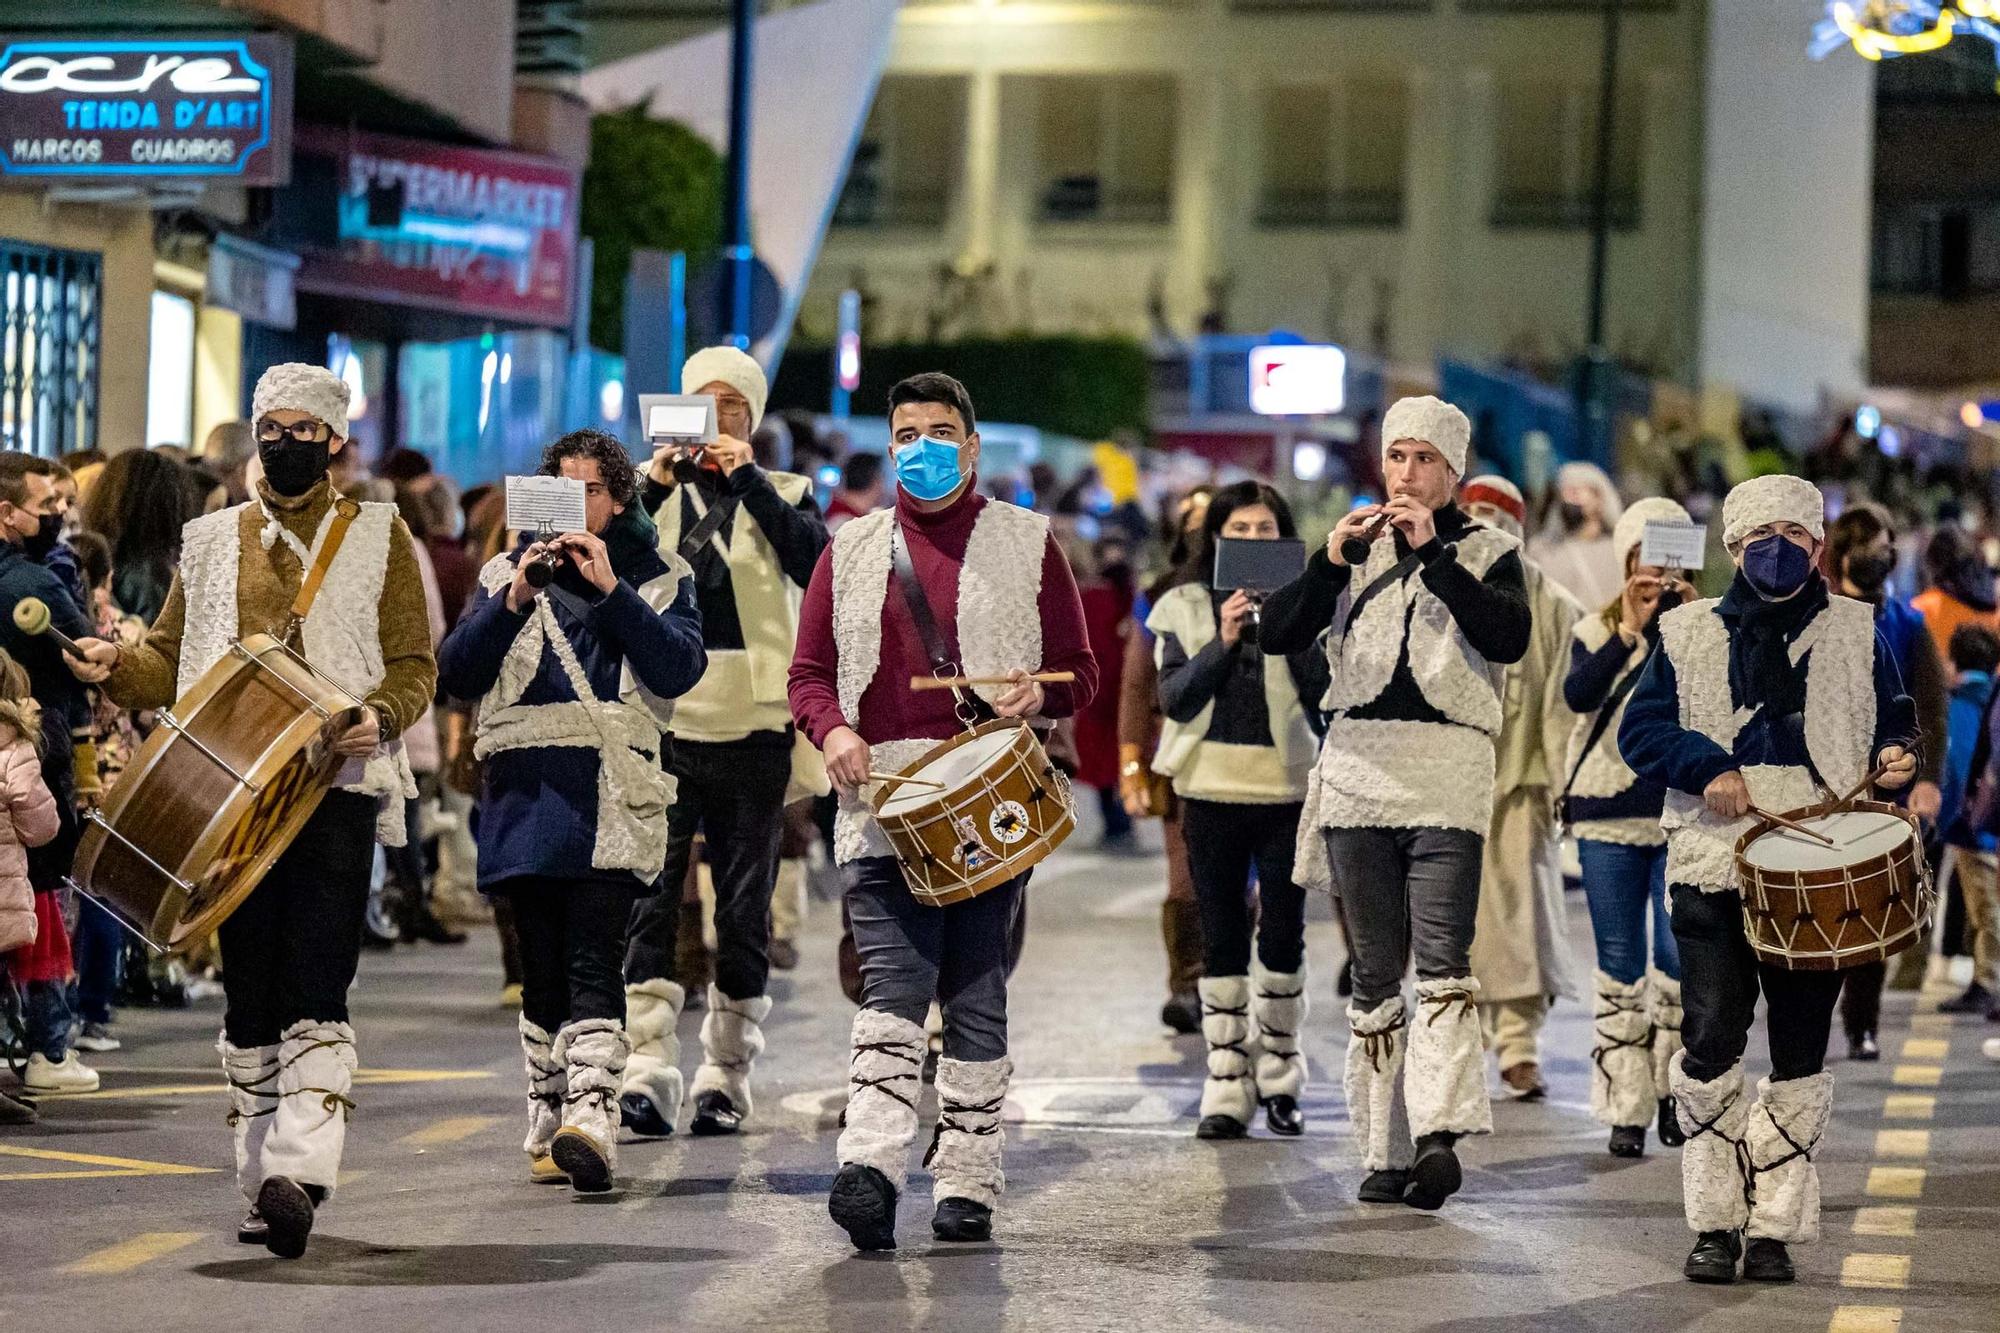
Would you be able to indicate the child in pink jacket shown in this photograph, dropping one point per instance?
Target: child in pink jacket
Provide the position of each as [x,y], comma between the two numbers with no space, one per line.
[33,942]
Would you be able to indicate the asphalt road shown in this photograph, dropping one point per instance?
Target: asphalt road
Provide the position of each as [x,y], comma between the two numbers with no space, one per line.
[117,1211]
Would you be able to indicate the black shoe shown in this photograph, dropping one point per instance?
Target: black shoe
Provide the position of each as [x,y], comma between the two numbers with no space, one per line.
[962,1220]
[714,1113]
[638,1114]
[784,955]
[931,1054]
[1384,1186]
[1976,999]
[253,1229]
[1182,1013]
[1436,1175]
[424,927]
[287,1211]
[1344,987]
[16,1112]
[1713,1258]
[1283,1116]
[582,1159]
[1767,1260]
[1670,1125]
[1628,1140]
[863,1203]
[1221,1127]
[1863,1048]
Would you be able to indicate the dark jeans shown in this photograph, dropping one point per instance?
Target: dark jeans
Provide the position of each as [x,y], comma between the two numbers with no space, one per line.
[957,955]
[1405,890]
[1720,978]
[1224,841]
[46,1016]
[572,934]
[1624,886]
[289,952]
[99,946]
[734,795]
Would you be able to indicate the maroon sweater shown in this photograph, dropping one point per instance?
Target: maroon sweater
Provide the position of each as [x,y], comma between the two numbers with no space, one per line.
[890,709]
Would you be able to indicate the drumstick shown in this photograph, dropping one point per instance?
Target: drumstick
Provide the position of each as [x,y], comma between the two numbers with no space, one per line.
[960,682]
[31,617]
[1874,776]
[914,782]
[1793,825]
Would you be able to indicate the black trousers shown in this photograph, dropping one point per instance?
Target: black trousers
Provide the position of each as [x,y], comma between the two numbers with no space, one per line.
[733,794]
[572,933]
[290,951]
[1223,841]
[1720,980]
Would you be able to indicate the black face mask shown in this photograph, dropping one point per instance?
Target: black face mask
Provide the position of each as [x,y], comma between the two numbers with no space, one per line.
[37,544]
[294,467]
[1870,571]
[1573,517]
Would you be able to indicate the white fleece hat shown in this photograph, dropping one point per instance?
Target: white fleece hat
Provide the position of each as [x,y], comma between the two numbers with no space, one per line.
[1432,420]
[298,387]
[734,367]
[1779,498]
[1593,476]
[1631,529]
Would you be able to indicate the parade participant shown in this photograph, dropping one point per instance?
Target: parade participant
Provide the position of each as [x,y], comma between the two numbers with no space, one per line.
[1576,551]
[293,945]
[573,684]
[1969,847]
[1399,803]
[1766,696]
[751,537]
[1615,815]
[982,584]
[1520,943]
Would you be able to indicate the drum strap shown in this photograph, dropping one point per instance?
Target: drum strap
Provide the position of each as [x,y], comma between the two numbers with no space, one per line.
[344,514]
[927,628]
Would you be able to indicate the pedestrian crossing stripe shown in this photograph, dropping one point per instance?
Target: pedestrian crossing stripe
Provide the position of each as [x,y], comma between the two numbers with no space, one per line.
[105,1167]
[362,1078]
[1925,1048]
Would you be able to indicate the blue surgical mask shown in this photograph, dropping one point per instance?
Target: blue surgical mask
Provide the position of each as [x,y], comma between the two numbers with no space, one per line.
[927,468]
[1776,567]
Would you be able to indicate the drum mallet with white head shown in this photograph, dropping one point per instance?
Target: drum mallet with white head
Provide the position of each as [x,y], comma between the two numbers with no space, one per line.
[31,617]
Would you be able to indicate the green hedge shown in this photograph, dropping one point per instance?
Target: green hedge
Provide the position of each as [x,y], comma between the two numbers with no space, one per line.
[651,185]
[1086,387]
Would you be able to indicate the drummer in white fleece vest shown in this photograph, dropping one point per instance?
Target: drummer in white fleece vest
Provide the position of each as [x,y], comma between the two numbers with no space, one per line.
[1398,806]
[293,945]
[1762,697]
[1005,604]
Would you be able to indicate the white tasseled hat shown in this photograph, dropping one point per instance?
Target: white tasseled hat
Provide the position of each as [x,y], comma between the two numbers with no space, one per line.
[731,366]
[298,387]
[1779,498]
[1432,420]
[1631,529]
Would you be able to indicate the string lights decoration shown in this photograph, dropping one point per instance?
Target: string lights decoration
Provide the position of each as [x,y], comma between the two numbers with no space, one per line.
[1884,29]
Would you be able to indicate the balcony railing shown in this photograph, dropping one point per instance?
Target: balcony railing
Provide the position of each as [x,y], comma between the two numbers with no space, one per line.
[1326,209]
[1527,210]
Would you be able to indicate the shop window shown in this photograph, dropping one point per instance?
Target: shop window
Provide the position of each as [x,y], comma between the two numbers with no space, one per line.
[906,164]
[170,372]
[1547,154]
[1946,252]
[1334,156]
[1105,148]
[49,303]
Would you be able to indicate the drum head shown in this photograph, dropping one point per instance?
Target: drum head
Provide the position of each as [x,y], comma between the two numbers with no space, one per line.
[956,768]
[1857,836]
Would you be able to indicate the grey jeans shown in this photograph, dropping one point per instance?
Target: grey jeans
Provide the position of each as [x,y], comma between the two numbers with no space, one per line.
[1405,890]
[912,953]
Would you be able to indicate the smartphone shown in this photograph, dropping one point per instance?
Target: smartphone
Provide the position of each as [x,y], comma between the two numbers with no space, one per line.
[1257,566]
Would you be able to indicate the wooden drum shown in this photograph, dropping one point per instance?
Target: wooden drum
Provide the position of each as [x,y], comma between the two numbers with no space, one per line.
[1814,908]
[230,774]
[994,806]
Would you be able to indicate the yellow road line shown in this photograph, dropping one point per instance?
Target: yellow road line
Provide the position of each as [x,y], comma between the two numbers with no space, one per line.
[1866,1319]
[449,1130]
[128,1255]
[1885,1220]
[1917,1076]
[1886,1272]
[1926,1048]
[124,1165]
[1895,1182]
[1909,1106]
[1902,1143]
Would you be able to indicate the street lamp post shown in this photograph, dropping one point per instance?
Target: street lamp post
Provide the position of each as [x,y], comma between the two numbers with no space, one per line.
[1592,412]
[736,254]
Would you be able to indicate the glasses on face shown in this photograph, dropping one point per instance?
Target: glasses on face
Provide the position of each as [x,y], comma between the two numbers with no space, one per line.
[305,432]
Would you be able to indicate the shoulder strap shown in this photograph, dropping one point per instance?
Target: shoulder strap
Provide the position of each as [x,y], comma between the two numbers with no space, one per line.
[1395,574]
[344,514]
[712,519]
[1607,711]
[927,630]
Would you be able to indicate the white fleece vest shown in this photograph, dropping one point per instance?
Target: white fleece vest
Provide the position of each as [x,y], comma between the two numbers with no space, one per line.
[1603,772]
[999,623]
[1840,726]
[1188,614]
[633,790]
[341,635]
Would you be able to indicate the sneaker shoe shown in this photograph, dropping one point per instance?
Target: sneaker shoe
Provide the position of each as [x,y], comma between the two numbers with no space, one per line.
[1990,1048]
[287,1210]
[582,1159]
[1863,1048]
[68,1074]
[1974,999]
[863,1202]
[97,1039]
[1524,1081]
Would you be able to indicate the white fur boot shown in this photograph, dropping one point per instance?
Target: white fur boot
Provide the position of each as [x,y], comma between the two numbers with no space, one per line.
[1621,1057]
[1713,1116]
[1780,1141]
[885,1079]
[548,1081]
[593,1054]
[965,1151]
[252,1072]
[1666,1015]
[1373,1082]
[1444,1075]
[1278,1007]
[652,1091]
[732,1037]
[316,1063]
[1230,1089]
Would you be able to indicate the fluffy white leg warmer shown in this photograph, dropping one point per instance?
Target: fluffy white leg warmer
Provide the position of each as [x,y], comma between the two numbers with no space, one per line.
[1666,1014]
[884,1082]
[965,1151]
[548,1081]
[593,1054]
[653,1070]
[732,1037]
[1374,1084]
[1712,1115]
[1230,1088]
[1444,1075]
[1278,1007]
[316,1063]
[252,1072]
[1621,1056]
[1783,1134]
